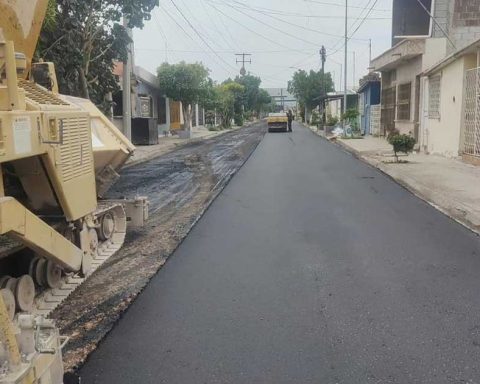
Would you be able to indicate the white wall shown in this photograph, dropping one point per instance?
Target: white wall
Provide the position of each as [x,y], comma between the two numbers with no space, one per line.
[443,135]
[435,51]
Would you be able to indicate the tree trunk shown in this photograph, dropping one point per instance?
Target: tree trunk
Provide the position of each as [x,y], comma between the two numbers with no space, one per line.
[187,117]
[83,84]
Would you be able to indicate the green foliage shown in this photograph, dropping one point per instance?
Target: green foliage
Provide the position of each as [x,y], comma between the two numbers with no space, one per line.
[188,83]
[350,115]
[251,85]
[263,102]
[84,38]
[401,143]
[332,120]
[308,87]
[49,23]
[315,117]
[226,96]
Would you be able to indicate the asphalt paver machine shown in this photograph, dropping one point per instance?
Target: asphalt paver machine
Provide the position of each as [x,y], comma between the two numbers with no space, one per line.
[59,156]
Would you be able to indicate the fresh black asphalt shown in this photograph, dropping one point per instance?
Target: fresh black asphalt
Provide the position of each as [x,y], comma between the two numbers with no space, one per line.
[310,267]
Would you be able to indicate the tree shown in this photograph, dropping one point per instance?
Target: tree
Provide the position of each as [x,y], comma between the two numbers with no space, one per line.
[187,83]
[263,101]
[84,40]
[226,95]
[308,87]
[251,86]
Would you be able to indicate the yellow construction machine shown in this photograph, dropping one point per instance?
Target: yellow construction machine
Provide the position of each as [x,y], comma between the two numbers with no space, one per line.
[277,122]
[58,157]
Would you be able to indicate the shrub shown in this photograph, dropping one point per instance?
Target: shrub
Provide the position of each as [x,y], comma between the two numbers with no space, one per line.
[332,120]
[401,143]
[315,117]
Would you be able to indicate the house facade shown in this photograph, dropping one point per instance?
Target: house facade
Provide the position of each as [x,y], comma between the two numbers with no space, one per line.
[451,122]
[369,104]
[424,74]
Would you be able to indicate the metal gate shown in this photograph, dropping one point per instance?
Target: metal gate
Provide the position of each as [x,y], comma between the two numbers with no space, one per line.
[389,102]
[472,113]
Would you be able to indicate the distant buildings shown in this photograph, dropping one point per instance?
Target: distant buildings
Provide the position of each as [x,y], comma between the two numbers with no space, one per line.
[282,98]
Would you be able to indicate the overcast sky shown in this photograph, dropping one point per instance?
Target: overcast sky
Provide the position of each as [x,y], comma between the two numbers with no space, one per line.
[281,35]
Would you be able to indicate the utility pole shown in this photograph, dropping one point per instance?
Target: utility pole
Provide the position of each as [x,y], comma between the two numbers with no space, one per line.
[369,51]
[353,82]
[346,65]
[126,87]
[323,57]
[243,71]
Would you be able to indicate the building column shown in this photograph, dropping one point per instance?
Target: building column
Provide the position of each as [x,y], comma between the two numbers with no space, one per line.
[196,115]
[167,113]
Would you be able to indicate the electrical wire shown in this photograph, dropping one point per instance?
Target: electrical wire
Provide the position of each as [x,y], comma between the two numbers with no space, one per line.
[286,22]
[176,22]
[200,36]
[272,27]
[358,27]
[254,32]
[214,23]
[342,5]
[270,11]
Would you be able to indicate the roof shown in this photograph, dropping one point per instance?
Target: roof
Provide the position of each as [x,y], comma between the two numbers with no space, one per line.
[141,74]
[339,95]
[400,53]
[469,49]
[371,78]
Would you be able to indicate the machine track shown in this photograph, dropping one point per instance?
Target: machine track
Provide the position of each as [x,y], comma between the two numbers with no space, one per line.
[47,299]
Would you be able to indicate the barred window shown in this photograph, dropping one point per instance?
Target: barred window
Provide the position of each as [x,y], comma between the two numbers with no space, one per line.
[404,101]
[434,97]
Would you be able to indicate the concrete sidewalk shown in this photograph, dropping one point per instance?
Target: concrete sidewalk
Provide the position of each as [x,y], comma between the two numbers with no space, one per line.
[450,185]
[168,144]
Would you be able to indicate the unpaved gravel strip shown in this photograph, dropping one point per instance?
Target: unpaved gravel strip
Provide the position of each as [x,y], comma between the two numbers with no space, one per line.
[180,186]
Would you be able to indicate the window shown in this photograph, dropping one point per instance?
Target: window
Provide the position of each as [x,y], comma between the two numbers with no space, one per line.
[434,97]
[404,101]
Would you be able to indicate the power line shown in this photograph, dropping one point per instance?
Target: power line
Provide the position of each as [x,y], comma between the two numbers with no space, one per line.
[284,21]
[358,27]
[218,51]
[270,26]
[214,23]
[176,22]
[364,8]
[200,36]
[269,11]
[254,32]
[341,5]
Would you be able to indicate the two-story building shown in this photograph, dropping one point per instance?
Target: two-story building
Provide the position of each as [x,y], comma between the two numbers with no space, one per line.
[425,75]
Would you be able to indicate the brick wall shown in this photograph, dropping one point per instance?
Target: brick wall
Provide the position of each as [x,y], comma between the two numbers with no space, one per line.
[466,13]
[442,16]
[460,19]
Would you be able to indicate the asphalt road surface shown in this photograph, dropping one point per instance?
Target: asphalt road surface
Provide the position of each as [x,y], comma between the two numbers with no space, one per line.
[310,267]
